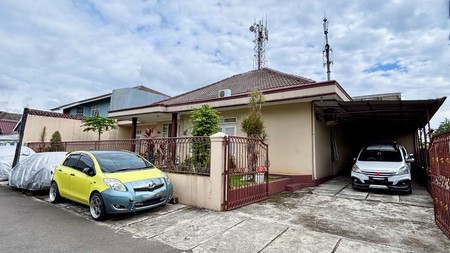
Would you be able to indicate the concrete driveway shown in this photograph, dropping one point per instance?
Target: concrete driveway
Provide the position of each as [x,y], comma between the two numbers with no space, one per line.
[329,218]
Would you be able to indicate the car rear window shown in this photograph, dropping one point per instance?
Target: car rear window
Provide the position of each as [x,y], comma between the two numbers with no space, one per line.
[381,154]
[120,161]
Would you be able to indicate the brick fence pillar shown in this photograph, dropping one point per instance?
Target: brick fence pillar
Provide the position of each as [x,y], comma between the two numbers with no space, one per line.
[217,171]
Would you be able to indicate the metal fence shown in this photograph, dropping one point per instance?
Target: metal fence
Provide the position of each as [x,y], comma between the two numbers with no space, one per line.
[246,171]
[439,172]
[188,155]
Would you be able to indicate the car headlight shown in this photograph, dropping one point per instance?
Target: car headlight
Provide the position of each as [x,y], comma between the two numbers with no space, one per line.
[165,177]
[115,184]
[402,171]
[356,169]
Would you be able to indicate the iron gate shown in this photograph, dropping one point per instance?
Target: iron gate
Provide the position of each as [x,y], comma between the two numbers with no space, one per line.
[246,172]
[439,154]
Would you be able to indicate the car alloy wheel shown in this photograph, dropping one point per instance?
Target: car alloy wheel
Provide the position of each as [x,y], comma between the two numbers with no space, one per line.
[54,193]
[97,207]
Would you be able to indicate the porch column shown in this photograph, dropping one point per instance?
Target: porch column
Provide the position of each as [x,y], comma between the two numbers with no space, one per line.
[133,134]
[173,132]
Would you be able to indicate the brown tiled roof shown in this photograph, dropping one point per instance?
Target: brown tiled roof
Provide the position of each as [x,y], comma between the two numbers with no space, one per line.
[53,114]
[7,126]
[10,116]
[241,84]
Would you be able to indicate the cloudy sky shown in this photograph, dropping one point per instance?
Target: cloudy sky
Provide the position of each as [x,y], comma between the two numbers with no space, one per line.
[57,52]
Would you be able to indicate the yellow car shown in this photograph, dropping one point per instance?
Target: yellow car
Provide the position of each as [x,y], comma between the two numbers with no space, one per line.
[110,182]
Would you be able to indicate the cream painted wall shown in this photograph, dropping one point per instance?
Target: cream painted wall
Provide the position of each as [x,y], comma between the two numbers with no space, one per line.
[345,154]
[124,132]
[290,138]
[70,129]
[191,190]
[324,165]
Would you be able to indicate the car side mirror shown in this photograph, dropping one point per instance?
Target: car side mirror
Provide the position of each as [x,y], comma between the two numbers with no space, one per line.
[89,171]
[410,160]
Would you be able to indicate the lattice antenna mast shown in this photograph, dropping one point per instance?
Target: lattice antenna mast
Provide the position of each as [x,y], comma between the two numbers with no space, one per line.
[261,36]
[327,50]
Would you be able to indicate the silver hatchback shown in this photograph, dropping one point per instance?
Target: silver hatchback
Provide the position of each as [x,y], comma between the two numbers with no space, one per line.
[383,165]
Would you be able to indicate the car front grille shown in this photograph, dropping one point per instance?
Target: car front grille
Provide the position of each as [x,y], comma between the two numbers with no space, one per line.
[148,188]
[149,202]
[150,185]
[378,174]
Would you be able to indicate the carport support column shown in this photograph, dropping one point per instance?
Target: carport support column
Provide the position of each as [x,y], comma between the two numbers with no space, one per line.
[217,169]
[133,133]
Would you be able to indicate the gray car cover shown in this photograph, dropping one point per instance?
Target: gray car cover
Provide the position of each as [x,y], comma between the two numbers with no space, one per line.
[36,172]
[7,157]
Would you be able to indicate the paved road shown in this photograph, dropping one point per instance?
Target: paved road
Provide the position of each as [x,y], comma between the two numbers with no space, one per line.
[28,224]
[329,218]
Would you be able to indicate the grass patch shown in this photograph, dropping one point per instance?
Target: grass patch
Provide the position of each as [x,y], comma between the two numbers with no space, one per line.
[240,181]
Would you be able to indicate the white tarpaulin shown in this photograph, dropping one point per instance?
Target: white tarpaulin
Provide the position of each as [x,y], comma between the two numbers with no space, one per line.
[36,172]
[7,157]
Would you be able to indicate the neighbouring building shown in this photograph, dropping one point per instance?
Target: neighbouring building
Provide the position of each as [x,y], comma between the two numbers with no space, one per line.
[117,99]
[8,121]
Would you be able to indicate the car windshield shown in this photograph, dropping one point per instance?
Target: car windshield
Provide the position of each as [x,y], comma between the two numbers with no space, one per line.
[380,155]
[120,161]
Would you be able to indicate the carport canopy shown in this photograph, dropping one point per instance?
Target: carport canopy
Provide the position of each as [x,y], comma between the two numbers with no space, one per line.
[407,114]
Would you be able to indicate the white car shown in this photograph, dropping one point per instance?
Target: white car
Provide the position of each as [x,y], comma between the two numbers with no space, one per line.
[383,165]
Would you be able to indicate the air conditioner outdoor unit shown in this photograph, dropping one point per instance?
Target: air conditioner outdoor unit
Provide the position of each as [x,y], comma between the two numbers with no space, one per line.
[224,93]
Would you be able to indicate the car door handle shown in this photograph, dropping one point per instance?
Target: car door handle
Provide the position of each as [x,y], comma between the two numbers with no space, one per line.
[60,169]
[72,174]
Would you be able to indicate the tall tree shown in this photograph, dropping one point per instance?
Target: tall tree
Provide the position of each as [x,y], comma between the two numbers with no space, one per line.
[253,122]
[55,142]
[98,124]
[205,121]
[253,125]
[443,127]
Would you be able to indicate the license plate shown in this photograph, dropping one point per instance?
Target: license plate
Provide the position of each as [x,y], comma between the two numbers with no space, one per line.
[378,178]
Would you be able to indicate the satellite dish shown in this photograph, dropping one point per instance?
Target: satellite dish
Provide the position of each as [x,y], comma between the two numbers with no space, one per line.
[252,29]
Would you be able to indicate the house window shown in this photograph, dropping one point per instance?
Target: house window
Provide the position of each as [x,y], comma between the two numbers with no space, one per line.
[229,130]
[94,110]
[79,111]
[228,120]
[166,130]
[228,126]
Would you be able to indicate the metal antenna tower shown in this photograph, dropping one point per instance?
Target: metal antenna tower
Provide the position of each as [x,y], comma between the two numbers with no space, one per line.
[327,50]
[261,36]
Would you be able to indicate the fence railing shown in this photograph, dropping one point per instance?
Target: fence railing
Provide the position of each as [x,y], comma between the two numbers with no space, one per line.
[188,155]
[439,173]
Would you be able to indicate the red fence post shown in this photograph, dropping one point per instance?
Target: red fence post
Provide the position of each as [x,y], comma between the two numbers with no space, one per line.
[439,161]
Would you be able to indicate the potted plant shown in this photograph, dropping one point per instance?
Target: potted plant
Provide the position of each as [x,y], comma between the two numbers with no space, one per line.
[259,176]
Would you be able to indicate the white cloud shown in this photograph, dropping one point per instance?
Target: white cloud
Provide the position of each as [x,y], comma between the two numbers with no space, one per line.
[57,52]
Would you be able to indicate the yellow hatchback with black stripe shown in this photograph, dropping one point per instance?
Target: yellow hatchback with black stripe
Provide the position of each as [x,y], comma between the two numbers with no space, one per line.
[110,182]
